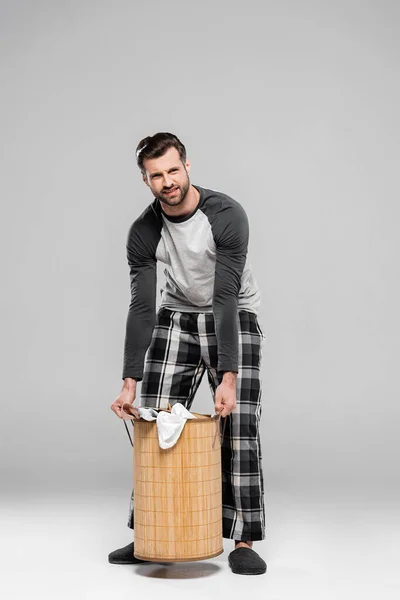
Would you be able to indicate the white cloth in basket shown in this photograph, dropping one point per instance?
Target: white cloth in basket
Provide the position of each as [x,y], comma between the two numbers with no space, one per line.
[169,424]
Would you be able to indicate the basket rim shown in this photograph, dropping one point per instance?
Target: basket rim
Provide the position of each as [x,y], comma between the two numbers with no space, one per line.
[203,417]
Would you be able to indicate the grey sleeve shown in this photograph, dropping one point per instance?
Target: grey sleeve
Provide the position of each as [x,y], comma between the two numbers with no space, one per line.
[142,309]
[231,234]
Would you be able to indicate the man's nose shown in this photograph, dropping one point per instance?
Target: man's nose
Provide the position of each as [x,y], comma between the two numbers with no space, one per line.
[168,183]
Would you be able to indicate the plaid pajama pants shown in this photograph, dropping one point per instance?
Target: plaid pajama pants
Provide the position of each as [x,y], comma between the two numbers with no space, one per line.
[183,346]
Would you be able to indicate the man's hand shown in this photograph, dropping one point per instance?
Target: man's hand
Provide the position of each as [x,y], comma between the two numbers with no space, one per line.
[225,394]
[127,394]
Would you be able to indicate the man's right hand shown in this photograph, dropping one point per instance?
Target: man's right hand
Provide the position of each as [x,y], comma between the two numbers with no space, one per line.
[127,394]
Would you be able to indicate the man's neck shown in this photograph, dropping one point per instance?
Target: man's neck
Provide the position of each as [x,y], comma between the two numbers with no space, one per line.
[186,207]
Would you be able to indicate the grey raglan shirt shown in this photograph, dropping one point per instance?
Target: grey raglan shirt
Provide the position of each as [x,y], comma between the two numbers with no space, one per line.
[207,270]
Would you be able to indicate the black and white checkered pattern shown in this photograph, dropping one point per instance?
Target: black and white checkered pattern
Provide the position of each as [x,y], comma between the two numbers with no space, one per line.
[182,348]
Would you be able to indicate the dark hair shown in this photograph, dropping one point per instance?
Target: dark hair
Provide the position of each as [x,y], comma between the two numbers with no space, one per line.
[157,145]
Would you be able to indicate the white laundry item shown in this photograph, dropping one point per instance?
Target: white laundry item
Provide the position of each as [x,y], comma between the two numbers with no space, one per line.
[170,425]
[148,414]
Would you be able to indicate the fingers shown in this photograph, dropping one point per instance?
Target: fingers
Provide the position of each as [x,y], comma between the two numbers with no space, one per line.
[223,410]
[225,400]
[116,410]
[132,411]
[125,411]
[127,414]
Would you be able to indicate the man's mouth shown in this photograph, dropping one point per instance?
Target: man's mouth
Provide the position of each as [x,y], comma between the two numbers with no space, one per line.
[171,191]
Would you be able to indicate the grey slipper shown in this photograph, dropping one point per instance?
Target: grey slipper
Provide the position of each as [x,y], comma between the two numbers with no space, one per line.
[245,561]
[124,556]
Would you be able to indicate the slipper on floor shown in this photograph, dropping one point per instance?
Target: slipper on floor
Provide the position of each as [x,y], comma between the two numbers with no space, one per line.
[245,561]
[124,556]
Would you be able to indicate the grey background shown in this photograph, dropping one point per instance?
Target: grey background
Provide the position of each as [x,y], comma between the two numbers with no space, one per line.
[289,107]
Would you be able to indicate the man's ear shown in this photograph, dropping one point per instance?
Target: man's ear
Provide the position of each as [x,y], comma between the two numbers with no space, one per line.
[145,179]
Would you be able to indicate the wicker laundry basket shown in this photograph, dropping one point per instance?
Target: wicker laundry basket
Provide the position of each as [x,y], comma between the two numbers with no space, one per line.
[178,492]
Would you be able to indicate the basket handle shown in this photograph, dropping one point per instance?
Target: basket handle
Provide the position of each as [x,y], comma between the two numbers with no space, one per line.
[127,408]
[218,429]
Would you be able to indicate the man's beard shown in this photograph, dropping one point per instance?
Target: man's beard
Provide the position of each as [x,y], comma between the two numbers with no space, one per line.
[179,196]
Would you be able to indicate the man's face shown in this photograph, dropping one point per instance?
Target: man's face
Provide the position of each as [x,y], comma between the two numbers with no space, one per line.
[168,173]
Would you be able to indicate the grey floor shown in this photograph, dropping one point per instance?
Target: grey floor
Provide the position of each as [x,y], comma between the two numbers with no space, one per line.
[318,545]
